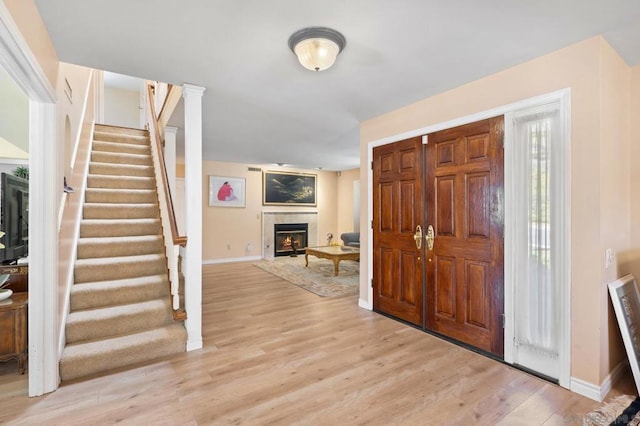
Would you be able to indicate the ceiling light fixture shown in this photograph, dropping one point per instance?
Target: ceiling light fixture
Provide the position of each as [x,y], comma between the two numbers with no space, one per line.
[317,47]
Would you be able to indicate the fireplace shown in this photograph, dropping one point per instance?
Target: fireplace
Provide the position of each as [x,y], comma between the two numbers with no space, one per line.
[290,238]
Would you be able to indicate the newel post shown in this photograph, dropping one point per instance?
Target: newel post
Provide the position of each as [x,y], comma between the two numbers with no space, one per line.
[193,218]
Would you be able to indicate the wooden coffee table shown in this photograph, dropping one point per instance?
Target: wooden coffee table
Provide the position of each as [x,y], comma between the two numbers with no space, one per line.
[335,253]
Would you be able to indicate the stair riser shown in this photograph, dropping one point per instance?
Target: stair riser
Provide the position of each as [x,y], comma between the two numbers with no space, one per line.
[120,148]
[120,196]
[130,323]
[88,230]
[120,170]
[114,158]
[93,250]
[117,211]
[75,364]
[117,182]
[121,138]
[88,273]
[102,294]
[120,304]
[109,130]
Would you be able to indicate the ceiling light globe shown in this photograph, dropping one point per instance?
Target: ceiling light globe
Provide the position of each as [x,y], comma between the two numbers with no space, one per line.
[317,54]
[317,48]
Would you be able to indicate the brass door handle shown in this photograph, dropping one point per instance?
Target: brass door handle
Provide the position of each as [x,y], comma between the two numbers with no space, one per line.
[418,237]
[430,237]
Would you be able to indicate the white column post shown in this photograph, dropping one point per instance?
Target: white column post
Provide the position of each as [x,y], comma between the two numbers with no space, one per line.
[170,158]
[193,219]
[98,96]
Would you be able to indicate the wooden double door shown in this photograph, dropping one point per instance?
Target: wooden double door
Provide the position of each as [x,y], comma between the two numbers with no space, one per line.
[438,233]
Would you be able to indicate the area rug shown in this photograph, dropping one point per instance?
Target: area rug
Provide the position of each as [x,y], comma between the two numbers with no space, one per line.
[621,410]
[319,277]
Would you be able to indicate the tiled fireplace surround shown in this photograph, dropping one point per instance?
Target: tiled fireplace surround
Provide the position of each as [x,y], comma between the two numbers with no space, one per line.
[269,219]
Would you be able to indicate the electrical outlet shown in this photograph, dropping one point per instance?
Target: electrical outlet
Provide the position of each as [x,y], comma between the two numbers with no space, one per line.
[249,247]
[608,258]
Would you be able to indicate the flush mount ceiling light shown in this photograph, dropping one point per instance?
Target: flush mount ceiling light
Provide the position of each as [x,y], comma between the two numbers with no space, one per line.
[317,47]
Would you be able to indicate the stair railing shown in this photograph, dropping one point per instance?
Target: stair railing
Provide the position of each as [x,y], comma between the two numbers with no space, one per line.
[172,238]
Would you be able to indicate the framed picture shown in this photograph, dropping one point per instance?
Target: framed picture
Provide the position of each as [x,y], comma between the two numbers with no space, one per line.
[227,191]
[625,297]
[284,188]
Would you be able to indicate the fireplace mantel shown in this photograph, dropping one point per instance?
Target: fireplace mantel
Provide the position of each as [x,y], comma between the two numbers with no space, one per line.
[270,218]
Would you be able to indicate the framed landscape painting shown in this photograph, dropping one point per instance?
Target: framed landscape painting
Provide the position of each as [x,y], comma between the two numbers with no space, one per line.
[284,189]
[227,191]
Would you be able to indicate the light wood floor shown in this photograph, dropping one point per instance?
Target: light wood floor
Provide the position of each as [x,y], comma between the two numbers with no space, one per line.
[276,354]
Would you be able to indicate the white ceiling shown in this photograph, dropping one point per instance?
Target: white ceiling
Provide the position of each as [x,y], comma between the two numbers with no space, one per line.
[261,106]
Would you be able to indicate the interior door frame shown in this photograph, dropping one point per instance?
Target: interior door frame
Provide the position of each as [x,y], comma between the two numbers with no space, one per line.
[564,96]
[44,192]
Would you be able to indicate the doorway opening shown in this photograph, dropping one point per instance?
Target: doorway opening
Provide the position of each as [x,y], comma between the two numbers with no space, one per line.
[562,237]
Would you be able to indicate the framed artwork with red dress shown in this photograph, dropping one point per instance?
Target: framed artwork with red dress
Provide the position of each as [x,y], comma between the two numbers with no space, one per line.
[227,191]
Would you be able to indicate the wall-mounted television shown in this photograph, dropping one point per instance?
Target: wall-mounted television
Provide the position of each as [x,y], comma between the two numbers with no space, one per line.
[14,218]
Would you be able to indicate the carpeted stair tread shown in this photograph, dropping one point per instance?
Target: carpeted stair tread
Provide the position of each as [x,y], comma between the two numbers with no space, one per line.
[120,304]
[111,169]
[119,246]
[120,158]
[90,358]
[120,211]
[97,294]
[120,182]
[119,227]
[121,147]
[119,267]
[99,323]
[109,195]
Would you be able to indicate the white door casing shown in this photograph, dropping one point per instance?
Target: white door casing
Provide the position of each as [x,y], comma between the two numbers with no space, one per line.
[45,186]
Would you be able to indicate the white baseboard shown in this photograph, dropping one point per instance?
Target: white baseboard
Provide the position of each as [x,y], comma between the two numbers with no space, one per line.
[598,393]
[194,346]
[231,260]
[364,304]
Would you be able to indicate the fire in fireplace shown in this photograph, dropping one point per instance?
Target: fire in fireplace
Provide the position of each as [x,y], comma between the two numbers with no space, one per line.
[290,238]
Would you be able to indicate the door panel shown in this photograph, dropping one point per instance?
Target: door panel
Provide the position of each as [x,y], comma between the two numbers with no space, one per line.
[398,207]
[464,187]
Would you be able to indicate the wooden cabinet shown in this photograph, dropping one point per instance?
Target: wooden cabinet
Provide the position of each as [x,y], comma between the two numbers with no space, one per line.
[13,329]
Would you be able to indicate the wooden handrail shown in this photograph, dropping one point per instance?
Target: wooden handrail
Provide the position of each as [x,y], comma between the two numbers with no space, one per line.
[178,239]
[166,98]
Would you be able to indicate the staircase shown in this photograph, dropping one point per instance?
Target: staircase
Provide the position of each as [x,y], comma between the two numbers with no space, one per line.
[120,311]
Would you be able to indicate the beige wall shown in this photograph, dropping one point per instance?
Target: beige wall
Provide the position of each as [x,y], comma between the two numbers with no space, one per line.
[71,109]
[583,68]
[27,18]
[228,231]
[121,107]
[614,192]
[82,124]
[634,156]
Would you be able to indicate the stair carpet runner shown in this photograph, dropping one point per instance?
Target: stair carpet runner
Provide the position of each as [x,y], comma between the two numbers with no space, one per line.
[120,311]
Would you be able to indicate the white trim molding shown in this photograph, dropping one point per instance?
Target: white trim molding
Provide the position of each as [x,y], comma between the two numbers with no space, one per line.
[193,215]
[231,260]
[365,304]
[21,65]
[595,392]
